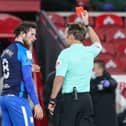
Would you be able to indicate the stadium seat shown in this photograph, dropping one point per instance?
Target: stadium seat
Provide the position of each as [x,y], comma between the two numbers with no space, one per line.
[101,33]
[87,42]
[106,33]
[56,19]
[113,65]
[108,19]
[123,60]
[115,33]
[104,57]
[7,24]
[108,48]
[120,46]
[73,18]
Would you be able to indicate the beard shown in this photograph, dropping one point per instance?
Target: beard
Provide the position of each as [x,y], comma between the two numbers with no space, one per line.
[27,44]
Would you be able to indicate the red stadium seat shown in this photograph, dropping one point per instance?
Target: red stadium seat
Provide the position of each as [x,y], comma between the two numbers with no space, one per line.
[73,18]
[56,19]
[108,48]
[104,57]
[108,19]
[120,46]
[115,33]
[106,33]
[101,33]
[123,60]
[113,65]
[7,24]
[87,42]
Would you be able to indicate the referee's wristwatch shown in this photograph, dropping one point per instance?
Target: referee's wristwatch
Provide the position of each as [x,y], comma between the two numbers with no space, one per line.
[52,101]
[88,25]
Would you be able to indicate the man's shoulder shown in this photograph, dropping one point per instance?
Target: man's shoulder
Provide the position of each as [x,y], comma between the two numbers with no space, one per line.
[10,50]
[65,51]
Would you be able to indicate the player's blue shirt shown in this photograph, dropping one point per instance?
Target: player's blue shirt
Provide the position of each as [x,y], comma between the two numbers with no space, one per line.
[16,62]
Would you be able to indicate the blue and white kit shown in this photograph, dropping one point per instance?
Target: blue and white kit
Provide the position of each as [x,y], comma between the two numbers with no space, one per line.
[17,85]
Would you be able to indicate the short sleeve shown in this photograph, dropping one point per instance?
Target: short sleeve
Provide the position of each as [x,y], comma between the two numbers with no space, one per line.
[95,49]
[24,56]
[62,64]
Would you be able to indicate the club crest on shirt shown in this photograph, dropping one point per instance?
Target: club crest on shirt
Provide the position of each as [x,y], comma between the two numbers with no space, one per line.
[29,55]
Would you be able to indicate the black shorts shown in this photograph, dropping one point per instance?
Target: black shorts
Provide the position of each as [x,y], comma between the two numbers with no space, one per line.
[76,112]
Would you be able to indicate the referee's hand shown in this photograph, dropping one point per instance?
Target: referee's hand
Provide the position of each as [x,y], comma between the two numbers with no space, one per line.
[51,108]
[38,112]
[85,17]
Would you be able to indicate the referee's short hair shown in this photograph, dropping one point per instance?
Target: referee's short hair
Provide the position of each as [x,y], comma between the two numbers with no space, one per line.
[77,30]
[24,27]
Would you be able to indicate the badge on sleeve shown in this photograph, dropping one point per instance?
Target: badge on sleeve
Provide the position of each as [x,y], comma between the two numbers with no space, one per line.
[58,64]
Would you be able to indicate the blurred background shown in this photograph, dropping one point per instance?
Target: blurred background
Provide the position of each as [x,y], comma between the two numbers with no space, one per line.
[107,17]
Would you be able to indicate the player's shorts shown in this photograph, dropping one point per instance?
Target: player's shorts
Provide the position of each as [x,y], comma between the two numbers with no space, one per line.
[15,111]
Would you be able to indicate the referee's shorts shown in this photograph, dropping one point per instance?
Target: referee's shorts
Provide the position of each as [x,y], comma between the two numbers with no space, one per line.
[76,112]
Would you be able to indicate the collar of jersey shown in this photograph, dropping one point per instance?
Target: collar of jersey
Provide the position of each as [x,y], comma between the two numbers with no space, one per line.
[20,43]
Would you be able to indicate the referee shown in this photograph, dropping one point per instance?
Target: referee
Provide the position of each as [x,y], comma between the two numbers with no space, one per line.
[73,72]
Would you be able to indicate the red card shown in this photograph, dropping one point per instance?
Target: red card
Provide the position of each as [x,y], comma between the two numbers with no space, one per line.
[79,10]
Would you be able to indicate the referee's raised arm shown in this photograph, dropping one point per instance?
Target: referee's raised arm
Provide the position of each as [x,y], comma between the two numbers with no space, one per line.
[92,34]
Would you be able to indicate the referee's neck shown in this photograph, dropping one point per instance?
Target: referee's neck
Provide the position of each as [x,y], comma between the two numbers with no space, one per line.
[76,42]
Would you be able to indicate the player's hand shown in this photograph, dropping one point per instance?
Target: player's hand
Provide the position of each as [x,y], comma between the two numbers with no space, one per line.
[51,108]
[85,17]
[38,112]
[35,68]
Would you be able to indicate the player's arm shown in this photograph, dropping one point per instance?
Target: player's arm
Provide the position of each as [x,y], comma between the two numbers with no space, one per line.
[25,59]
[93,36]
[29,85]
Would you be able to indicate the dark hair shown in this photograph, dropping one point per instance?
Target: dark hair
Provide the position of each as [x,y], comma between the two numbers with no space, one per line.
[101,63]
[78,31]
[24,27]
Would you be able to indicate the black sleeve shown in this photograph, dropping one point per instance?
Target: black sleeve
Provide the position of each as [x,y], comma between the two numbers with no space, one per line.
[113,83]
[93,86]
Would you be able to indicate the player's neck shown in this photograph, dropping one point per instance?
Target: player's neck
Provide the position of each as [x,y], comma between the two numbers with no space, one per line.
[19,40]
